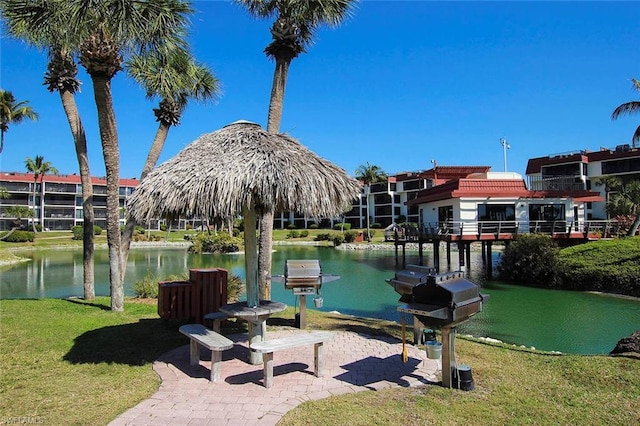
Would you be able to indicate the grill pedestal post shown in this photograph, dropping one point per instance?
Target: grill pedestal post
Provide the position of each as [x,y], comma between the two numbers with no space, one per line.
[303,311]
[448,351]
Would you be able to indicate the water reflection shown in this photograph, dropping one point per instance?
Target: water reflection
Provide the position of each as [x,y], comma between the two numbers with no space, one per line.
[550,320]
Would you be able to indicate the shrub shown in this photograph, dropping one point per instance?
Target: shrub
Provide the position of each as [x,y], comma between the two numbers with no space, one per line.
[342,226]
[219,242]
[530,259]
[293,234]
[337,239]
[304,233]
[376,225]
[313,226]
[139,230]
[235,287]
[146,287]
[18,236]
[189,227]
[236,232]
[163,227]
[78,232]
[292,226]
[323,236]
[350,236]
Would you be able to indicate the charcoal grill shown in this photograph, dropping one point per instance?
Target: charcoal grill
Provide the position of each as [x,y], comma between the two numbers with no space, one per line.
[304,277]
[439,301]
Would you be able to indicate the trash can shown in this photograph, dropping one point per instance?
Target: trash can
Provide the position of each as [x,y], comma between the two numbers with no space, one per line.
[463,378]
[428,336]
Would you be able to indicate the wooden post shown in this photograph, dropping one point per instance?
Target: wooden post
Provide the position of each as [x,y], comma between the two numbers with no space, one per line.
[256,332]
[318,359]
[489,261]
[448,349]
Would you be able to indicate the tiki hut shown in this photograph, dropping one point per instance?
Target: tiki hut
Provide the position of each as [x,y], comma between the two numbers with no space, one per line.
[242,169]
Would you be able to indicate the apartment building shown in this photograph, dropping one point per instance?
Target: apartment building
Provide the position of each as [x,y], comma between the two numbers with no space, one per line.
[387,201]
[58,199]
[580,170]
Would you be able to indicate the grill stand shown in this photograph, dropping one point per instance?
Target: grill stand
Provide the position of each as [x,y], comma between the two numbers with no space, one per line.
[448,353]
[448,349]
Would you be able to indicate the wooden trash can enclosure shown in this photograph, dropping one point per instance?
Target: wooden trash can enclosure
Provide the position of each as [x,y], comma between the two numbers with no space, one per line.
[205,292]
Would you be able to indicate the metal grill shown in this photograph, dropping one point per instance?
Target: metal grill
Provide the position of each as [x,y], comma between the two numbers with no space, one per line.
[439,301]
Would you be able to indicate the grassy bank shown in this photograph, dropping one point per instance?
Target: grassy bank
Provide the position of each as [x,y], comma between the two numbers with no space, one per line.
[65,238]
[71,362]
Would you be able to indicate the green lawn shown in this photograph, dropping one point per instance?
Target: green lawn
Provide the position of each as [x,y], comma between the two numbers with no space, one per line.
[57,238]
[73,362]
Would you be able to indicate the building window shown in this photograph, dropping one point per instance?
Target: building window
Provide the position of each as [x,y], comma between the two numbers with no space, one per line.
[546,212]
[410,185]
[445,213]
[562,170]
[496,212]
[626,165]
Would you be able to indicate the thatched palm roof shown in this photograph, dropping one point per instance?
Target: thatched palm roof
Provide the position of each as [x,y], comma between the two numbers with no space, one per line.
[243,166]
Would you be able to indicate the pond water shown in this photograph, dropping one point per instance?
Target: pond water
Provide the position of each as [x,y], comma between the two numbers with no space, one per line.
[571,322]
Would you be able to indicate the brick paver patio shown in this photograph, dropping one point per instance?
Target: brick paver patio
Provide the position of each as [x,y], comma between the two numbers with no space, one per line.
[353,363]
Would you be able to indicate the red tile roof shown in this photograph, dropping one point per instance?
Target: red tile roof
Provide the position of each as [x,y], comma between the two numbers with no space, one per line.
[503,188]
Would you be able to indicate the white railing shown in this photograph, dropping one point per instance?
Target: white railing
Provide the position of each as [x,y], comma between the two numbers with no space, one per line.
[589,228]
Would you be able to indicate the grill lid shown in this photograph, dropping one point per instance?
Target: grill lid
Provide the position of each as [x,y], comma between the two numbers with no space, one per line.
[437,299]
[303,273]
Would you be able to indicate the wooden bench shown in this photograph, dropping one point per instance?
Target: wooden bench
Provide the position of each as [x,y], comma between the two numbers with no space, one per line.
[217,318]
[268,347]
[201,335]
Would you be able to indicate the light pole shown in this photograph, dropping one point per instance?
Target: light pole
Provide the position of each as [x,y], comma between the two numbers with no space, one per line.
[505,147]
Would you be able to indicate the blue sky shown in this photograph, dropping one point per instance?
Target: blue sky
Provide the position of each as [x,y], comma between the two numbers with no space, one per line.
[398,85]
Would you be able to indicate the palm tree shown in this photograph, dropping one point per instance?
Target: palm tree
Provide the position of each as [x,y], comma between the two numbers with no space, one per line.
[104,32]
[623,198]
[293,30]
[12,111]
[175,78]
[368,174]
[628,108]
[19,212]
[39,168]
[61,76]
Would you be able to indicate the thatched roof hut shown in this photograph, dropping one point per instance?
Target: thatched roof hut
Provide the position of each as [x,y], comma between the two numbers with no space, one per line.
[243,169]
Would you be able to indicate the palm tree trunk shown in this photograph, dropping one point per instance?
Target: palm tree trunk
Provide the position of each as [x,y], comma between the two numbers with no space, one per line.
[80,141]
[277,95]
[152,158]
[266,220]
[109,140]
[635,225]
[366,194]
[33,218]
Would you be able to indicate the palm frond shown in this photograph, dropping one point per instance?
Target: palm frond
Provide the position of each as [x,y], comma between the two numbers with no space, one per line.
[628,108]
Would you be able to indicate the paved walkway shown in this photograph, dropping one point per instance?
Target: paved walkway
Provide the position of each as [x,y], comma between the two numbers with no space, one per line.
[353,363]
